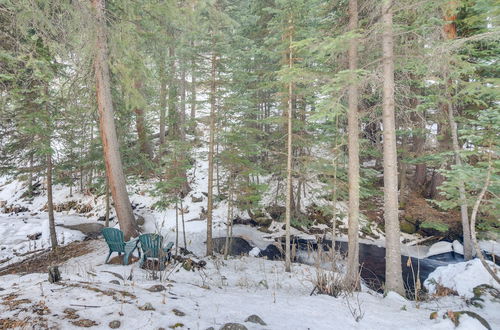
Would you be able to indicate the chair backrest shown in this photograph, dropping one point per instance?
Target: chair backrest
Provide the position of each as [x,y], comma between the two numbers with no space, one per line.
[114,238]
[151,245]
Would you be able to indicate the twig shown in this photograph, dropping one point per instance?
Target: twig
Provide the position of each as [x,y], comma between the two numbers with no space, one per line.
[86,306]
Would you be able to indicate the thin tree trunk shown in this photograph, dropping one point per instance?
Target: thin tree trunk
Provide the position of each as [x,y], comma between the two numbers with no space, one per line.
[183,226]
[50,205]
[163,102]
[173,114]
[193,92]
[211,147]
[288,261]
[450,30]
[353,146]
[229,221]
[176,228]
[473,221]
[393,272]
[112,158]
[183,104]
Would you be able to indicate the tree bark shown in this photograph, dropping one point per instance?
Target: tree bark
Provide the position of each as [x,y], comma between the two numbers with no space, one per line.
[211,147]
[353,146]
[112,158]
[174,132]
[193,92]
[450,30]
[289,197]
[464,213]
[393,273]
[140,125]
[50,205]
[163,102]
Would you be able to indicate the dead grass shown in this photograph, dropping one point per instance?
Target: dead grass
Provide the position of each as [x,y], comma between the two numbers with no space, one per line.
[40,262]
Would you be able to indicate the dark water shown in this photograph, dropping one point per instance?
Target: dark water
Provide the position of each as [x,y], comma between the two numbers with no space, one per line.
[371,259]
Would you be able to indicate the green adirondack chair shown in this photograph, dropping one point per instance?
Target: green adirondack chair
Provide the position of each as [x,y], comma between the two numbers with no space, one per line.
[152,247]
[116,243]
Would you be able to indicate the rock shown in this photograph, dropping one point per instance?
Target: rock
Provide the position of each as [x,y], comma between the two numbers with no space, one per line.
[178,312]
[84,323]
[115,282]
[238,247]
[276,211]
[115,324]
[157,288]
[92,230]
[263,221]
[233,326]
[255,319]
[34,237]
[54,274]
[210,328]
[407,227]
[147,307]
[139,219]
[195,199]
[272,252]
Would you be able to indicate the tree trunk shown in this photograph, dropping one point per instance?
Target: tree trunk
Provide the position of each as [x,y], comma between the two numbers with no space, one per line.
[112,158]
[211,147]
[140,125]
[183,104]
[450,30]
[173,114]
[106,216]
[193,93]
[464,213]
[163,102]
[288,261]
[393,273]
[353,145]
[50,205]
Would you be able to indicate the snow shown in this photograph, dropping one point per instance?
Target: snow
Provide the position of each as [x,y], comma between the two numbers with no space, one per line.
[462,277]
[458,247]
[439,248]
[226,291]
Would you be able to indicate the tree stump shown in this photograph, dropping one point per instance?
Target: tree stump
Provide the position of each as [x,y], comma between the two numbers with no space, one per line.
[54,274]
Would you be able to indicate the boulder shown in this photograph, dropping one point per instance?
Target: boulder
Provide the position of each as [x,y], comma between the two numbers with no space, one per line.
[272,252]
[233,326]
[255,319]
[115,324]
[238,247]
[139,219]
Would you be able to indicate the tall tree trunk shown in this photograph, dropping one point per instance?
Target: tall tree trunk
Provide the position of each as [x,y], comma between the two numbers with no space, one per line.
[193,92]
[450,30]
[173,114]
[289,198]
[393,272]
[183,104]
[353,145]
[50,205]
[140,125]
[163,102]
[112,158]
[211,147]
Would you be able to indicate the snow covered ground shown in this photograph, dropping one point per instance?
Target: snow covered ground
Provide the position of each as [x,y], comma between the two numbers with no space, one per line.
[224,292]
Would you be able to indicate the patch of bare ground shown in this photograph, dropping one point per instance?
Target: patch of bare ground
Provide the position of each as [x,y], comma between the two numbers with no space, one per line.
[40,262]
